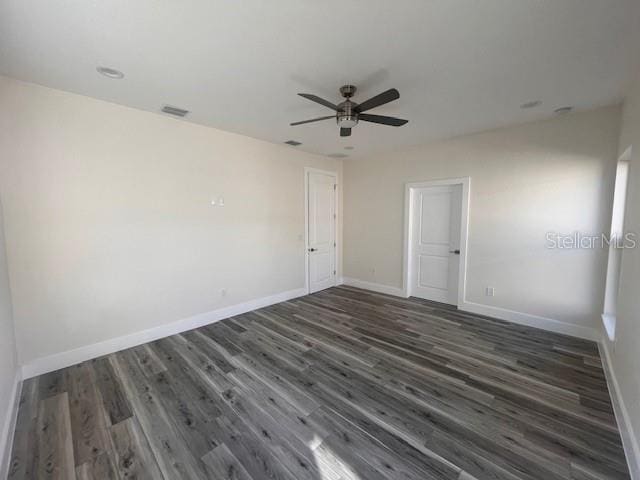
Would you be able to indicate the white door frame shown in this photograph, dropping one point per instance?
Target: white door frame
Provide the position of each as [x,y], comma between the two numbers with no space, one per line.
[465,182]
[308,170]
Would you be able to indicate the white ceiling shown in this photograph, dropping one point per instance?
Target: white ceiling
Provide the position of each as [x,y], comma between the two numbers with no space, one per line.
[460,65]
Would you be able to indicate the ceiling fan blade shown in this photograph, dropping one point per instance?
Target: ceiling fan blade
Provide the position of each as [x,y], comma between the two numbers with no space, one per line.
[385,97]
[393,121]
[312,120]
[345,132]
[321,101]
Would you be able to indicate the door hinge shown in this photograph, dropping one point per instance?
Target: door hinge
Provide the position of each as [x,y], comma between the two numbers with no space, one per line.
[335,186]
[334,216]
[334,272]
[334,244]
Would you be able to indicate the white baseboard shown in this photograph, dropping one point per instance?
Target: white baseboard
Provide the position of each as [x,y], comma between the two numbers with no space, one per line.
[374,287]
[9,426]
[529,320]
[71,357]
[629,439]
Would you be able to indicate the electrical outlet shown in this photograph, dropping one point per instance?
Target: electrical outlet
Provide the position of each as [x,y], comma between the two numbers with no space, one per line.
[490,292]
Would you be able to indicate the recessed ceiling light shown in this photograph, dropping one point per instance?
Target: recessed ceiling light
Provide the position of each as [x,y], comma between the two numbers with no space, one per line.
[562,110]
[531,104]
[348,148]
[110,72]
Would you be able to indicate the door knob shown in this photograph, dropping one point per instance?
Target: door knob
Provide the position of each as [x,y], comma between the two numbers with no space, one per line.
[312,249]
[457,252]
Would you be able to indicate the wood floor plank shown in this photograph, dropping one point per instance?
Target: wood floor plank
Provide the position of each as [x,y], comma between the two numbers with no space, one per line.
[358,444]
[345,463]
[202,364]
[99,467]
[51,384]
[299,424]
[186,380]
[223,465]
[169,449]
[220,335]
[344,384]
[418,455]
[281,381]
[210,348]
[133,455]
[88,426]
[250,450]
[197,429]
[55,445]
[286,448]
[148,360]
[110,388]
[25,455]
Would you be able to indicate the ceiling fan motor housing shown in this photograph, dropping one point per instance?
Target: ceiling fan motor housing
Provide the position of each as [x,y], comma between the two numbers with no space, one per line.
[347,91]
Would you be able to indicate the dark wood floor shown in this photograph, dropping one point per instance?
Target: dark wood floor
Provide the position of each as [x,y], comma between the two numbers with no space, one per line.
[343,384]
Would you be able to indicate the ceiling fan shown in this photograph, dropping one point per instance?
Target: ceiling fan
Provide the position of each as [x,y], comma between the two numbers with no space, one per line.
[349,113]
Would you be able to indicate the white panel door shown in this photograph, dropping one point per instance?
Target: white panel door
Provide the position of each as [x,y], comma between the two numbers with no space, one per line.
[435,243]
[321,234]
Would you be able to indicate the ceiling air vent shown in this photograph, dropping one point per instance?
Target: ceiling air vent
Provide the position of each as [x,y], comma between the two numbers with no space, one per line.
[175,111]
[293,143]
[337,155]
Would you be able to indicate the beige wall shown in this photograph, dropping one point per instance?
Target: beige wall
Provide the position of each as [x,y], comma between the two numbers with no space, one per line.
[8,360]
[625,353]
[110,230]
[553,175]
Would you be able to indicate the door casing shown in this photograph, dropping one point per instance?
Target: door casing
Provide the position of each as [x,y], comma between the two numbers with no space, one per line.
[307,171]
[410,187]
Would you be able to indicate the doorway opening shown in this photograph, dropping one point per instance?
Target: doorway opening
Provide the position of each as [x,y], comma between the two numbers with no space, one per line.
[321,200]
[436,225]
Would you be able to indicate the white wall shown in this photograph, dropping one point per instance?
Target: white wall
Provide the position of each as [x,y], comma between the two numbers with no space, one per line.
[553,175]
[110,230]
[8,359]
[625,352]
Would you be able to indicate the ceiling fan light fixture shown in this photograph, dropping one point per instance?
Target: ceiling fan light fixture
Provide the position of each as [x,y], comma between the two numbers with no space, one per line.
[347,121]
